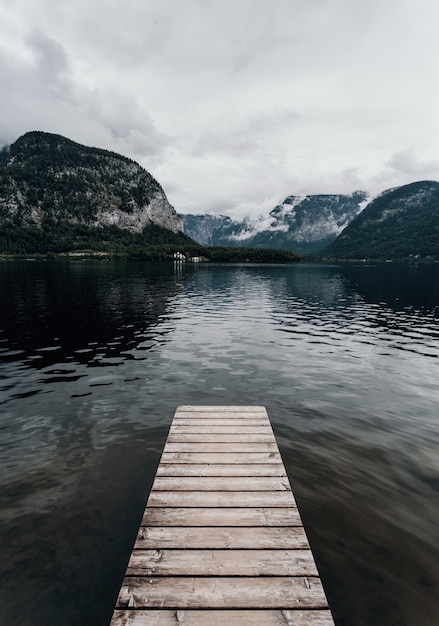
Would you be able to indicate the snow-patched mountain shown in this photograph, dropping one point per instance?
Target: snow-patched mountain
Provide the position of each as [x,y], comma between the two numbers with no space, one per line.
[400,223]
[304,224]
[212,230]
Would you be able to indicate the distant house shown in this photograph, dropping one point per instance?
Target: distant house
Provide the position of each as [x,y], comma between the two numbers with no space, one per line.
[196,259]
[179,256]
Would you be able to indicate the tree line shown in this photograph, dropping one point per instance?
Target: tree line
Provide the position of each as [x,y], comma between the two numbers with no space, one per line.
[152,244]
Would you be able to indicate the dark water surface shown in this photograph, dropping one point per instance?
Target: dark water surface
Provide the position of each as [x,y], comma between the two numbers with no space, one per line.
[94,358]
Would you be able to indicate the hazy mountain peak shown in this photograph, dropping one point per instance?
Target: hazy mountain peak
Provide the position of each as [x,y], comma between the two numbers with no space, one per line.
[304,224]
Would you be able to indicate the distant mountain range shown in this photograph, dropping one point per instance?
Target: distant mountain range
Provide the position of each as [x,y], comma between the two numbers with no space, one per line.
[401,223]
[304,224]
[57,195]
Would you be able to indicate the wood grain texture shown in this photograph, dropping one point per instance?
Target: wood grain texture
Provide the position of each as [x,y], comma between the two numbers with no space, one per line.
[218,469]
[248,499]
[241,517]
[220,447]
[275,592]
[221,541]
[188,617]
[209,437]
[196,562]
[221,457]
[227,537]
[221,429]
[222,421]
[219,483]
[221,409]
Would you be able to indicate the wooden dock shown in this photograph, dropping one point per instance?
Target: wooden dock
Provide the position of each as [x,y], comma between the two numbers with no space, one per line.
[221,542]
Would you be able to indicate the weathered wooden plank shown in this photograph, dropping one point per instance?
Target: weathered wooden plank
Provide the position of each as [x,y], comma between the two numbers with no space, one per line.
[221,414]
[260,516]
[209,415]
[243,617]
[222,592]
[216,410]
[221,458]
[208,437]
[221,563]
[221,409]
[220,430]
[229,537]
[221,531]
[220,447]
[194,469]
[218,483]
[279,499]
[221,421]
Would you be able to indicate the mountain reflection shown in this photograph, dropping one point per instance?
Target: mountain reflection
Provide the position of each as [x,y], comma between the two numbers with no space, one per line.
[399,300]
[398,286]
[81,311]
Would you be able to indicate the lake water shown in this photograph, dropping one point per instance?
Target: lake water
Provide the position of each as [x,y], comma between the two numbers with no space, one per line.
[94,358]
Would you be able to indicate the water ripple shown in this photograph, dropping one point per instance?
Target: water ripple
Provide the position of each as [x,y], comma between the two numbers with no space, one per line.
[94,359]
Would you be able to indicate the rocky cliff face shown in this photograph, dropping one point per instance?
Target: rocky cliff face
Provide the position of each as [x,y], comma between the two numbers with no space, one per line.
[47,178]
[304,224]
[212,230]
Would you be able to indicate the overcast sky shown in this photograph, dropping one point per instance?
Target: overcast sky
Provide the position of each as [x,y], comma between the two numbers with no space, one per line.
[232,104]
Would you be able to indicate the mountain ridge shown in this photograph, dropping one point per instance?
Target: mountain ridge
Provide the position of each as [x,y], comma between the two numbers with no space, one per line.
[304,224]
[61,197]
[400,223]
[46,177]
[56,194]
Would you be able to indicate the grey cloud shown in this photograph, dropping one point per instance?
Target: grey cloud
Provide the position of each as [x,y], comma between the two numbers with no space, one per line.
[41,91]
[240,134]
[131,127]
[127,37]
[406,162]
[51,64]
[231,103]
[51,56]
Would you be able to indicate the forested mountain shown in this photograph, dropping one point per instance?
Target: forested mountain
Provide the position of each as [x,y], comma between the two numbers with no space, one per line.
[48,179]
[401,223]
[304,224]
[59,196]
[4,154]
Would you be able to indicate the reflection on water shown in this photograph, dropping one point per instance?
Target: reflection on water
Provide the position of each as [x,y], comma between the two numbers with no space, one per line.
[94,358]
